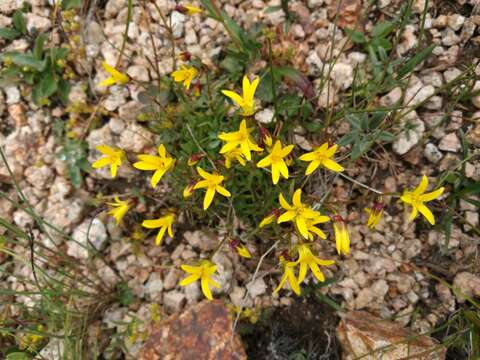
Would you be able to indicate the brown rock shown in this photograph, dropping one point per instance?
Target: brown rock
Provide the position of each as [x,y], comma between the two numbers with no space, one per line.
[348,13]
[202,332]
[365,336]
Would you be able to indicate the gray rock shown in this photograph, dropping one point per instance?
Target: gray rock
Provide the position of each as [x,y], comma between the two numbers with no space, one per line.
[450,142]
[434,103]
[468,284]
[342,75]
[9,6]
[64,214]
[13,94]
[40,23]
[417,93]
[451,73]
[173,301]
[97,236]
[432,153]
[116,98]
[264,116]
[224,270]
[455,21]
[136,138]
[54,350]
[392,98]
[408,139]
[177,23]
[40,177]
[257,288]
[171,279]
[138,72]
[449,37]
[154,287]
[204,241]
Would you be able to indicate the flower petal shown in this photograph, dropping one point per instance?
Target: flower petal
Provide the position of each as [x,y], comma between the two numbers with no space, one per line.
[208,198]
[425,211]
[432,195]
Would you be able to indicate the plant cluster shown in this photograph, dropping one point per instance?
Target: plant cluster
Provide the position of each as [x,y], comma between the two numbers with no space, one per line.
[224,156]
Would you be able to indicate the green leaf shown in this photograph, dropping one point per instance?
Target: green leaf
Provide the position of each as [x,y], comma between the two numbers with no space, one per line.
[348,138]
[356,36]
[18,356]
[385,136]
[414,61]
[46,87]
[71,4]
[29,61]
[9,33]
[272,9]
[19,22]
[383,29]
[39,44]
[63,90]
[75,175]
[124,294]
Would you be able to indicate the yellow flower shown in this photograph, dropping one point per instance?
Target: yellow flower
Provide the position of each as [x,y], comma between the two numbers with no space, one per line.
[298,213]
[312,229]
[321,156]
[204,273]
[243,252]
[307,260]
[418,197]
[114,158]
[188,191]
[188,9]
[160,164]
[276,161]
[234,155]
[375,214]
[192,10]
[246,101]
[267,220]
[212,183]
[119,209]
[342,239]
[164,223]
[241,139]
[185,74]
[116,76]
[288,275]
[194,159]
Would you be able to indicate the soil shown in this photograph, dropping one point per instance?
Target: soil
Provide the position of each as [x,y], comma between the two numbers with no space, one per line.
[303,330]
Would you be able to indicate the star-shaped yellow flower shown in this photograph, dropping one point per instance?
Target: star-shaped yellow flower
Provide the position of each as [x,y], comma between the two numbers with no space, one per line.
[185,74]
[160,164]
[204,273]
[119,209]
[276,160]
[234,155]
[418,197]
[306,259]
[113,157]
[321,156]
[239,139]
[116,76]
[374,214]
[342,238]
[299,213]
[164,223]
[212,183]
[288,275]
[243,251]
[246,101]
[312,229]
